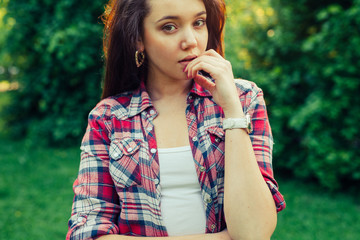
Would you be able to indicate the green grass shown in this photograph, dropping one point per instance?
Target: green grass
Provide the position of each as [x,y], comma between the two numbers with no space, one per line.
[35,191]
[313,214]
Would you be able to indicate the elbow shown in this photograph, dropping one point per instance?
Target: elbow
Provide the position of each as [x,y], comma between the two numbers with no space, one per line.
[248,236]
[256,231]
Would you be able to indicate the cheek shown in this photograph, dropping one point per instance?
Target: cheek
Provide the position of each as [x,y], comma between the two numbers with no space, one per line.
[152,41]
[203,40]
[159,49]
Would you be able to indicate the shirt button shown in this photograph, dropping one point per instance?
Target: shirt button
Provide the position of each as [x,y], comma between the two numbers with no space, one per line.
[192,117]
[217,139]
[149,129]
[80,219]
[152,112]
[194,139]
[190,97]
[213,226]
[208,200]
[116,155]
[153,150]
[156,181]
[129,149]
[202,169]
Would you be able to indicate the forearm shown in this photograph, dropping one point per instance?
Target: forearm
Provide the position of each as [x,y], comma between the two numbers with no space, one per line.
[122,237]
[248,204]
[211,236]
[249,208]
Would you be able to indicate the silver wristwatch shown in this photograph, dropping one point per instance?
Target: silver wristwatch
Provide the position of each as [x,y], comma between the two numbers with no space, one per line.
[230,123]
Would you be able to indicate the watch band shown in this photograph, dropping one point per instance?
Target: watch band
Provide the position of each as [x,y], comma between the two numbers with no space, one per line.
[231,123]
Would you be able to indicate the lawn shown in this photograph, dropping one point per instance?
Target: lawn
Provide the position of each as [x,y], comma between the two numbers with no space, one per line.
[314,214]
[35,191]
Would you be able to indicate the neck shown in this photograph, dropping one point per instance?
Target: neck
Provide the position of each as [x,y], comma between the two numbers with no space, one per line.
[160,88]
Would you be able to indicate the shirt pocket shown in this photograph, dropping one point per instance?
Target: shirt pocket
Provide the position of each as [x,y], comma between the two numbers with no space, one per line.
[125,162]
[217,138]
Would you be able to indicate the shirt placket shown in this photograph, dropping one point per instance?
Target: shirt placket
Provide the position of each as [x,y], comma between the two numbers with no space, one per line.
[194,117]
[153,170]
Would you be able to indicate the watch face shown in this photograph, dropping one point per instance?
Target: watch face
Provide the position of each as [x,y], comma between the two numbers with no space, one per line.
[249,128]
[248,123]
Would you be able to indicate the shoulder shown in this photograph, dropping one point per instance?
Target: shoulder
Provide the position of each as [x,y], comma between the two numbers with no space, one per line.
[251,95]
[114,106]
[246,87]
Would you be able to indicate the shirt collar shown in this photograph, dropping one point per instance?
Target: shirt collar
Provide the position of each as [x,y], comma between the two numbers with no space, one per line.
[141,100]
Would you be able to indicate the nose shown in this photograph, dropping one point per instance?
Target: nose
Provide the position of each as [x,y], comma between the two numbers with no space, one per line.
[189,39]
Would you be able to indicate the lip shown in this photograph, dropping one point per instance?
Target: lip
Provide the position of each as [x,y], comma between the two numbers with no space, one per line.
[188,59]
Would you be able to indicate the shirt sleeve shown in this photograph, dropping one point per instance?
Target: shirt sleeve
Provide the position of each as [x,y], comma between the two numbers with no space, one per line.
[262,140]
[96,205]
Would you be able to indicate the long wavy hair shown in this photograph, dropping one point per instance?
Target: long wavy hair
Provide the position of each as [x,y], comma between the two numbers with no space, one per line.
[124,20]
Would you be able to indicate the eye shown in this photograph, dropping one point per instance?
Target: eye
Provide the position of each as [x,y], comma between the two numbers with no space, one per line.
[169,28]
[199,22]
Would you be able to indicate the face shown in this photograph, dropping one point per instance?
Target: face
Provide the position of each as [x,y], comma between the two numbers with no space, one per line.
[175,32]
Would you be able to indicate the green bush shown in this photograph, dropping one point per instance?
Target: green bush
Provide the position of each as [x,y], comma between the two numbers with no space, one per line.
[306,59]
[56,45]
[57,48]
[304,54]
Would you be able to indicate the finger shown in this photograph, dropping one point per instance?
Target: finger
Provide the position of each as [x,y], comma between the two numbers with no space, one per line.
[213,53]
[192,63]
[209,65]
[203,57]
[204,82]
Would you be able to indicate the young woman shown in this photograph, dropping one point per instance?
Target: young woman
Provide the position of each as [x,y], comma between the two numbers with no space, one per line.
[169,151]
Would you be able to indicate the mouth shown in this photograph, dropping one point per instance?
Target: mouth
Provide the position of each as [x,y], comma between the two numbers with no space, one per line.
[188,59]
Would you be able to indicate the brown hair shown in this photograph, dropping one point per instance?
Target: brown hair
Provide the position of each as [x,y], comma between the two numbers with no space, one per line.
[123,21]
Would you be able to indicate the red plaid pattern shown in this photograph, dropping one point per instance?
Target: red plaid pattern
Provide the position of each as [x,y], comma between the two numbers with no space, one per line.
[118,189]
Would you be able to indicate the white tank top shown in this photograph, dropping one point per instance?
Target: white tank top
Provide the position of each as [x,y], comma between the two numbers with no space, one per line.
[182,208]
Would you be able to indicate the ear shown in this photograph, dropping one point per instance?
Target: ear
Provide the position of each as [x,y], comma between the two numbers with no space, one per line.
[140,45]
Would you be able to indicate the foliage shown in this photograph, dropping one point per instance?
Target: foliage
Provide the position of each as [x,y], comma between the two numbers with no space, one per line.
[306,58]
[4,29]
[304,54]
[57,48]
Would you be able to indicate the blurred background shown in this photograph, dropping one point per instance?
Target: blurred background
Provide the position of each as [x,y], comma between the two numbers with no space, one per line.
[304,54]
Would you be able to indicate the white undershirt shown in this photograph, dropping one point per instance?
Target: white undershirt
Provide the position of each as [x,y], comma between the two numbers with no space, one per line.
[182,208]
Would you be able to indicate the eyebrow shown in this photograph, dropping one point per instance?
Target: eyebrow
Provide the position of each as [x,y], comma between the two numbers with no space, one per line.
[176,17]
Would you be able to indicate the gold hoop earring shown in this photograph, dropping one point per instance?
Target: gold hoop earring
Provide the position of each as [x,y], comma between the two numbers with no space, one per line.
[139,58]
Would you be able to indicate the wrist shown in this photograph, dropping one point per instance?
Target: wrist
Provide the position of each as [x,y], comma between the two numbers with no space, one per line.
[242,123]
[234,114]
[233,110]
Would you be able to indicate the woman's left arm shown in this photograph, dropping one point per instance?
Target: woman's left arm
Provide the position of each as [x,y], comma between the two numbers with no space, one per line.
[248,204]
[249,207]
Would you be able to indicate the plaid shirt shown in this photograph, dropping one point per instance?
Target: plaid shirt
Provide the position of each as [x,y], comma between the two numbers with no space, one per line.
[118,187]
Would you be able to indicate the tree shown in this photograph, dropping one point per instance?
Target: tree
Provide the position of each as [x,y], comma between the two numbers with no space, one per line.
[307,61]
[57,48]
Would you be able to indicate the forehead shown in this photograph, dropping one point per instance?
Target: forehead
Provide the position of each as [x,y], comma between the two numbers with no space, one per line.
[160,8]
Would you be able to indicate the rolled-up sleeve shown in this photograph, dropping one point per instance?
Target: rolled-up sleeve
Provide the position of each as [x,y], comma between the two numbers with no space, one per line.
[262,139]
[96,205]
